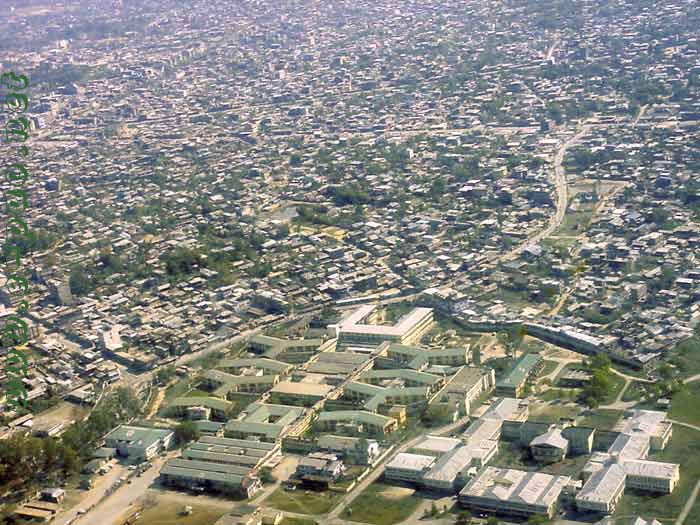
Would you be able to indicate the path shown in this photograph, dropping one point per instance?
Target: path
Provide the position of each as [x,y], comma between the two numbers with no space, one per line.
[691,379]
[688,504]
[562,191]
[694,494]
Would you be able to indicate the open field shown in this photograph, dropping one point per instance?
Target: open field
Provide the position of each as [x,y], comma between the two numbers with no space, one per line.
[553,412]
[601,418]
[548,368]
[684,405]
[303,501]
[383,505]
[297,521]
[511,455]
[170,513]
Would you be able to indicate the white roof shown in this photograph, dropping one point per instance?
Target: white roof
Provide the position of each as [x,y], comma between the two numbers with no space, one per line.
[531,488]
[406,461]
[603,485]
[437,444]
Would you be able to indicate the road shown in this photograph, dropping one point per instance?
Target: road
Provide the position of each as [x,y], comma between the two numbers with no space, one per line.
[379,469]
[93,496]
[111,509]
[562,191]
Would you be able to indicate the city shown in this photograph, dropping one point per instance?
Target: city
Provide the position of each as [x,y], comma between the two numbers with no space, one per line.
[390,262]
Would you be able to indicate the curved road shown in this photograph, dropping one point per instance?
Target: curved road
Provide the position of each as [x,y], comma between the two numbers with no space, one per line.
[562,197]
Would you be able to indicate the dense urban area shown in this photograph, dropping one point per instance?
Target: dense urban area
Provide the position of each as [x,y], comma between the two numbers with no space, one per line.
[402,262]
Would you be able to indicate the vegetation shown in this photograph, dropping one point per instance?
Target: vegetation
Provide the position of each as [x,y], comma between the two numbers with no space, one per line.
[27,463]
[379,504]
[185,432]
[303,502]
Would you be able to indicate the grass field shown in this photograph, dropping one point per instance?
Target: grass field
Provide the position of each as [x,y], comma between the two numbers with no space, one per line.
[169,514]
[383,505]
[601,418]
[683,448]
[303,502]
[575,222]
[684,405]
[511,455]
[616,385]
[297,521]
[552,413]
[178,389]
[548,368]
[554,394]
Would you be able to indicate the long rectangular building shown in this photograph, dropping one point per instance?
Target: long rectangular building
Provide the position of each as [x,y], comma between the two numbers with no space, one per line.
[515,492]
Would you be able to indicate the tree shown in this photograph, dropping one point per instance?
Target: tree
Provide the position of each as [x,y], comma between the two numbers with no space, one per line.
[434,510]
[266,475]
[464,518]
[493,520]
[165,374]
[185,432]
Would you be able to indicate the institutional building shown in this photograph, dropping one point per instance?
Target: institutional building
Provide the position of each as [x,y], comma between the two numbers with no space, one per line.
[512,384]
[515,492]
[357,330]
[139,443]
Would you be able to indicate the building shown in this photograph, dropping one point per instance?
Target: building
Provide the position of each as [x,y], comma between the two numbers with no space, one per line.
[515,492]
[352,449]
[418,358]
[319,467]
[357,329]
[139,443]
[436,445]
[603,490]
[451,471]
[359,422]
[210,476]
[606,474]
[60,292]
[218,408]
[549,447]
[408,468]
[304,394]
[267,422]
[512,384]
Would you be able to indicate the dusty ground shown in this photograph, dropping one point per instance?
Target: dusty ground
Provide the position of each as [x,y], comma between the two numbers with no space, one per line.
[64,412]
[397,492]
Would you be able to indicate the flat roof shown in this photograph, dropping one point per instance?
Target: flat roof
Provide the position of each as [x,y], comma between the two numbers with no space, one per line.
[502,484]
[406,461]
[132,434]
[437,444]
[353,323]
[302,389]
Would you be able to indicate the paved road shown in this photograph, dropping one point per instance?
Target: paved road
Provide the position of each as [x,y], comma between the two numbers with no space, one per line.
[115,506]
[93,496]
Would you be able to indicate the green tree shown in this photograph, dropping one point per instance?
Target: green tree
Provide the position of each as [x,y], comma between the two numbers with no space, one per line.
[185,432]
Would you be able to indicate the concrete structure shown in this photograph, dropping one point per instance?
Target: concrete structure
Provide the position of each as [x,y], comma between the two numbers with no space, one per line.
[512,384]
[267,422]
[409,468]
[515,492]
[139,443]
[359,422]
[549,447]
[304,394]
[357,329]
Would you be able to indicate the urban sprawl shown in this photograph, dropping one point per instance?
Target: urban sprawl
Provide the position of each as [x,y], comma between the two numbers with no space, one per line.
[389,262]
